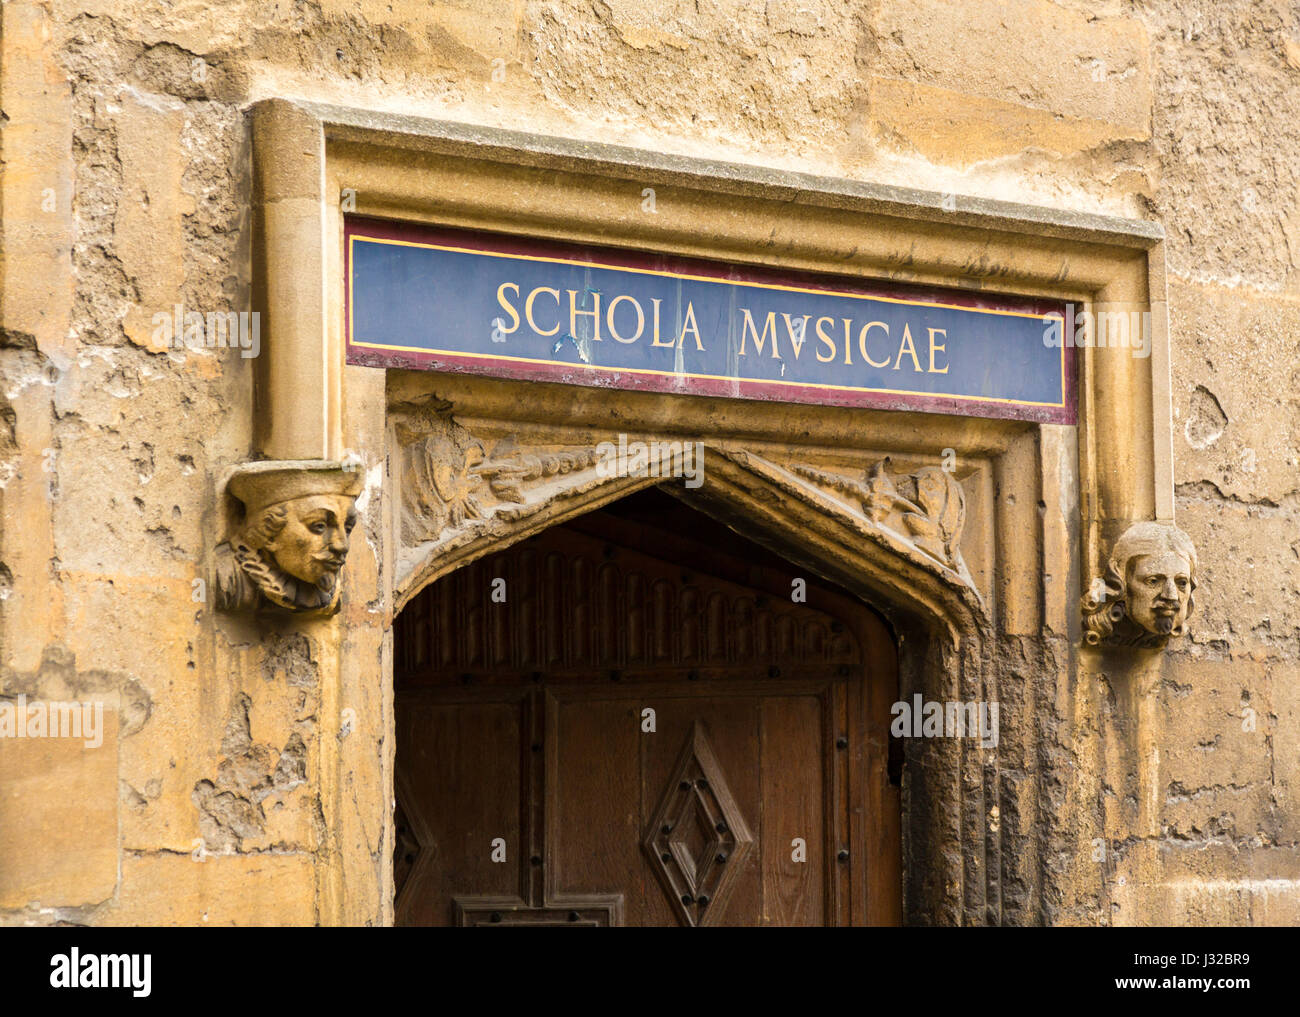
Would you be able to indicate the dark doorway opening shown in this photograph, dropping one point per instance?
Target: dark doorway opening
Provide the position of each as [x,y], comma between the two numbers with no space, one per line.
[642,717]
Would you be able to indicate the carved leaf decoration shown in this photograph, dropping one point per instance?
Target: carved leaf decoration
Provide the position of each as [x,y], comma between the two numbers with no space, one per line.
[928,507]
[452,481]
[942,511]
[455,485]
[439,485]
[881,497]
[506,477]
[425,514]
[881,493]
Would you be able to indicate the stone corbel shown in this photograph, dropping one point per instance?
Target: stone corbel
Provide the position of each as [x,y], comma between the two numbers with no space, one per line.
[1146,596]
[289,548]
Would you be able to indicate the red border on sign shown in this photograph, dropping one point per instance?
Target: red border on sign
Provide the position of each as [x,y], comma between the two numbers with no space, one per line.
[577,374]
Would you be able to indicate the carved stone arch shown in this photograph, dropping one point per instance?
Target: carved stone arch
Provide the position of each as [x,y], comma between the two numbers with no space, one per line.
[462,498]
[761,497]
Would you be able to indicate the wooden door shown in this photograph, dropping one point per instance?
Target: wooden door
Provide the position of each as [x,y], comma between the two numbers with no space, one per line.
[647,731]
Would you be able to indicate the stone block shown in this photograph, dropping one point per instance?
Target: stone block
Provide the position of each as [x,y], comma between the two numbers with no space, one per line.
[58,814]
[1061,81]
[262,889]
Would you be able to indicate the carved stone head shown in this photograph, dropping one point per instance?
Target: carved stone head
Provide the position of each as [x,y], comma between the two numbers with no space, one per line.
[1147,594]
[294,539]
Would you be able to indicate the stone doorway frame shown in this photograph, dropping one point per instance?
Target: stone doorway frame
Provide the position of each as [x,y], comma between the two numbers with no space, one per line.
[980,836]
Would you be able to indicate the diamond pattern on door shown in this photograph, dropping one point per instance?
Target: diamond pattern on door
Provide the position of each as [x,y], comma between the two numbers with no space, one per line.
[698,838]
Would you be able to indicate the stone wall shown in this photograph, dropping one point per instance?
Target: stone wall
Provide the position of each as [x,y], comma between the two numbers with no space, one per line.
[126,191]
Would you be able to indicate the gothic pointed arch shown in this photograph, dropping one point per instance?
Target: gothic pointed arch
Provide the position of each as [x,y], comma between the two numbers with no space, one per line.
[880,535]
[889,537]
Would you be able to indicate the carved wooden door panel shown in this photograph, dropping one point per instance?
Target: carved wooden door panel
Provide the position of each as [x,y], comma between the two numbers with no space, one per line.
[622,741]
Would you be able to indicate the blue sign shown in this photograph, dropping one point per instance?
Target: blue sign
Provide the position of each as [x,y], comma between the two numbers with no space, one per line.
[487,304]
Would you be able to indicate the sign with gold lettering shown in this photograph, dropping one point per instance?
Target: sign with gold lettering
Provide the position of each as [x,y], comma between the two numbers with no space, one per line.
[479,303]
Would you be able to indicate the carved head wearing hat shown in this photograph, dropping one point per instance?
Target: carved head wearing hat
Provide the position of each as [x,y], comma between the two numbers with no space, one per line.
[294,539]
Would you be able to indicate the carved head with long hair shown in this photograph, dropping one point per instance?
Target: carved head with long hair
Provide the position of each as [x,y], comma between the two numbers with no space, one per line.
[1147,594]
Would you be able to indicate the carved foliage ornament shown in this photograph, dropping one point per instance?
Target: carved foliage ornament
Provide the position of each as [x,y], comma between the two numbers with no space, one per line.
[454,483]
[927,508]
[447,486]
[293,541]
[456,486]
[1146,596]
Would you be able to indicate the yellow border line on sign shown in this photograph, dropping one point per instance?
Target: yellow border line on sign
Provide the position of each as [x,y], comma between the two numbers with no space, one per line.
[353,237]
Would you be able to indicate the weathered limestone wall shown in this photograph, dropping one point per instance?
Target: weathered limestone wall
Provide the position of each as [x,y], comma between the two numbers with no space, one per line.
[126,190]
